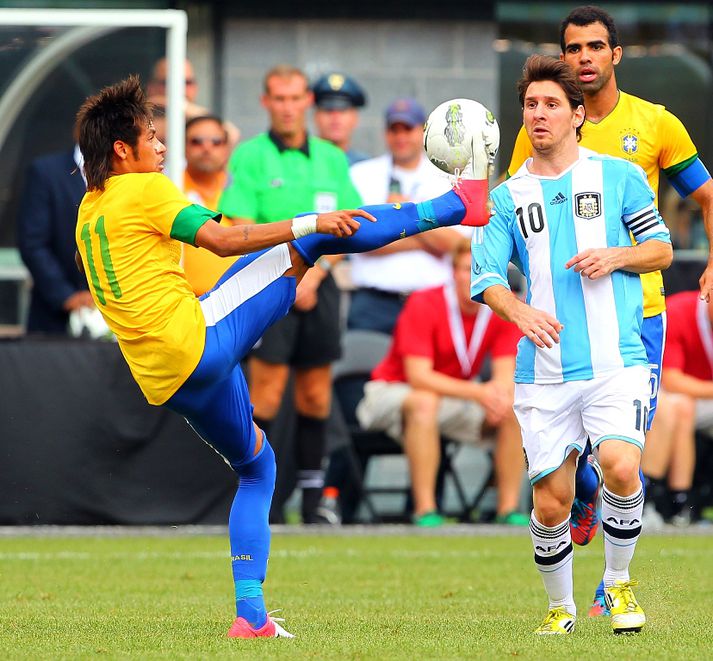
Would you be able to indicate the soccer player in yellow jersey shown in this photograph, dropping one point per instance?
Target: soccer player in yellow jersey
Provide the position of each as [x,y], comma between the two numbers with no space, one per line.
[644,133]
[183,351]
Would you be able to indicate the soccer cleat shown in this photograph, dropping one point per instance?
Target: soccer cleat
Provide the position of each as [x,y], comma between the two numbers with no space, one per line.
[271,629]
[557,623]
[626,614]
[599,606]
[586,515]
[474,195]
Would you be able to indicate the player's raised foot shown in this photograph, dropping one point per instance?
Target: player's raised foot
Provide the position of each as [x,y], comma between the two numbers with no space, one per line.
[474,195]
[271,629]
[557,623]
[626,614]
[599,606]
[586,515]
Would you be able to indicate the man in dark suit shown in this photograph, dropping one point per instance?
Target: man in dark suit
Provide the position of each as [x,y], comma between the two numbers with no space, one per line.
[54,187]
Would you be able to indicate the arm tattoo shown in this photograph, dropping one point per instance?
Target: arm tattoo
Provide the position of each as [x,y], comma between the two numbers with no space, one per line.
[246,233]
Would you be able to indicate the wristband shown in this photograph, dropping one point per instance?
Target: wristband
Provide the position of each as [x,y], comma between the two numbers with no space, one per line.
[304,225]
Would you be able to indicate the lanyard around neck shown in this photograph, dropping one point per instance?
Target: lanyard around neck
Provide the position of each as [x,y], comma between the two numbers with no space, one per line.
[466,353]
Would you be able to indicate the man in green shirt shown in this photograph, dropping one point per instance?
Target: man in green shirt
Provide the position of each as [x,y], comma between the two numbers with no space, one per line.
[277,175]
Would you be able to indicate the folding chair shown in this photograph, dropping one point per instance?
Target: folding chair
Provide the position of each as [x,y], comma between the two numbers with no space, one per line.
[362,351]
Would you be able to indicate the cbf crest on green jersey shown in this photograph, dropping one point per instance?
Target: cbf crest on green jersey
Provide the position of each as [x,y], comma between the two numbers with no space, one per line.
[540,223]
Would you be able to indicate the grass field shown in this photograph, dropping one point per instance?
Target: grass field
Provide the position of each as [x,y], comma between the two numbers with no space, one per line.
[392,597]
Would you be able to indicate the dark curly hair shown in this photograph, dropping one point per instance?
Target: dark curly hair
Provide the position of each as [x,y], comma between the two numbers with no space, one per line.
[118,112]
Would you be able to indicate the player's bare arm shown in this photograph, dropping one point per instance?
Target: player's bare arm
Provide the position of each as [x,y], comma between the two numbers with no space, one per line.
[493,397]
[651,255]
[537,325]
[242,239]
[704,197]
[676,381]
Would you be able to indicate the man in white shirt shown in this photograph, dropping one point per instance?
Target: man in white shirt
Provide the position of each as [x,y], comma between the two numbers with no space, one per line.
[384,278]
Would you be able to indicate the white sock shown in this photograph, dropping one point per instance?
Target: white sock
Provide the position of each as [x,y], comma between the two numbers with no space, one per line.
[621,523]
[553,559]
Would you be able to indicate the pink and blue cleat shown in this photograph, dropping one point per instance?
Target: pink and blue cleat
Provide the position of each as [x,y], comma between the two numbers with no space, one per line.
[586,515]
[271,629]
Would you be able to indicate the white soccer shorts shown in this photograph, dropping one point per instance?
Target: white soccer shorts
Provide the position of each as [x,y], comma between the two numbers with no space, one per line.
[557,418]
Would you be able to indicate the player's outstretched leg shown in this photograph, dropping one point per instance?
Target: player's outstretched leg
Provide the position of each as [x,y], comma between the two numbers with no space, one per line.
[250,546]
[553,558]
[394,221]
[586,508]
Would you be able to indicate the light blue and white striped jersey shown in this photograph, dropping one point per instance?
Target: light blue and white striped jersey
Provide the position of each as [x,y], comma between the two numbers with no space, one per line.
[540,223]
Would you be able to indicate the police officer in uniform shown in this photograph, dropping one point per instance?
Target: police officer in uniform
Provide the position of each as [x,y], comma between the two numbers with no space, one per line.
[337,98]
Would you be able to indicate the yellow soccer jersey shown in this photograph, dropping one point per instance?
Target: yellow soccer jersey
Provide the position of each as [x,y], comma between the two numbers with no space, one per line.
[641,132]
[128,237]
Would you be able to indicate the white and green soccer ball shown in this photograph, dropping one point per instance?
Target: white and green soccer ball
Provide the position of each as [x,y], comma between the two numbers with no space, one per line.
[462,137]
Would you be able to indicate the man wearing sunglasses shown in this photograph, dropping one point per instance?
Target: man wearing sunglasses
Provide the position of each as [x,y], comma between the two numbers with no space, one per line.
[204,179]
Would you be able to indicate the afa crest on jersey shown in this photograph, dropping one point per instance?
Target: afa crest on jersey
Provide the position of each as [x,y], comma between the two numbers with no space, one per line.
[587,205]
[630,143]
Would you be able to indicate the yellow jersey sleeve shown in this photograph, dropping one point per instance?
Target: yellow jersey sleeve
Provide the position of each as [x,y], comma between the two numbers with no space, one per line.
[677,148]
[520,152]
[169,212]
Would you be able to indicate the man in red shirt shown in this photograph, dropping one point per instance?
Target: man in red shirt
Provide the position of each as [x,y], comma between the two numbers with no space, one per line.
[687,402]
[425,387]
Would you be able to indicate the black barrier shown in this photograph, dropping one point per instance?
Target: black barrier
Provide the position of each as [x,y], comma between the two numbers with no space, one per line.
[80,445]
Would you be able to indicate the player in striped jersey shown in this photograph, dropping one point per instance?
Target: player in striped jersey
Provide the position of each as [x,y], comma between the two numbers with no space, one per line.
[564,218]
[649,135]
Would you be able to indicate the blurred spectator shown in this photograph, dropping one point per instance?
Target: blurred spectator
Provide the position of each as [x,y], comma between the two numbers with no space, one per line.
[277,175]
[384,278]
[156,90]
[685,404]
[425,387]
[337,98]
[204,179]
[54,187]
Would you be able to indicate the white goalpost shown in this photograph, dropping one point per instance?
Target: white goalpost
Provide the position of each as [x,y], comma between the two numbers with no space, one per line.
[83,27]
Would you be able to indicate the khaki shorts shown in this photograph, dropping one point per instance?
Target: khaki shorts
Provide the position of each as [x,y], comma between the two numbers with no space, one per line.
[381,410]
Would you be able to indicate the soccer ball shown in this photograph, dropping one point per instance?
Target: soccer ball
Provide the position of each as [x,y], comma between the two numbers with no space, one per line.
[461,136]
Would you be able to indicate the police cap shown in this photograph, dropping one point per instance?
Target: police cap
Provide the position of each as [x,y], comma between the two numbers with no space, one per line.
[336,91]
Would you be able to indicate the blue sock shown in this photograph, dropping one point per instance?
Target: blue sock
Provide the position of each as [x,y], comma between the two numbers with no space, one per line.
[600,589]
[586,480]
[394,221]
[250,534]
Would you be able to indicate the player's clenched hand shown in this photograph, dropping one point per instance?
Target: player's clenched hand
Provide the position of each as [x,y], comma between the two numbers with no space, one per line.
[595,262]
[538,326]
[341,223]
[706,282]
[496,402]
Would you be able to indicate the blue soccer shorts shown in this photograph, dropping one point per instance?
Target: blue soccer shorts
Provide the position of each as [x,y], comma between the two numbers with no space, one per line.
[653,334]
[250,296]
